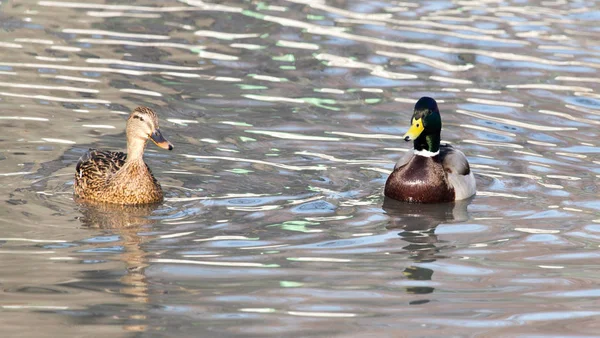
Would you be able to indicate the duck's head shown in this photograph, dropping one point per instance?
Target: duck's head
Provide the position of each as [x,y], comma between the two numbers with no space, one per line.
[425,120]
[425,125]
[143,124]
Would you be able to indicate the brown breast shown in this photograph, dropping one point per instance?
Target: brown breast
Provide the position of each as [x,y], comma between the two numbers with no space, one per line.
[422,180]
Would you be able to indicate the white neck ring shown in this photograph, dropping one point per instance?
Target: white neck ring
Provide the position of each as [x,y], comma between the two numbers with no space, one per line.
[426,153]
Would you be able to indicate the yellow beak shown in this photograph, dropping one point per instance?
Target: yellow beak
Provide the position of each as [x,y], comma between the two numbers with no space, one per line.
[415,130]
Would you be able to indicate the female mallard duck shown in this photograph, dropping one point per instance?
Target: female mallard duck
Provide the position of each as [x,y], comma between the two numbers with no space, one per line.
[115,177]
[431,173]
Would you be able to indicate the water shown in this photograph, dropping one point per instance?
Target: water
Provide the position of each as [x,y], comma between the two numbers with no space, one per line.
[287,118]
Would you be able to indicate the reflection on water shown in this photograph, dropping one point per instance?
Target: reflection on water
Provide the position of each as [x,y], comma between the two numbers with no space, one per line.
[126,222]
[289,115]
[115,216]
[418,223]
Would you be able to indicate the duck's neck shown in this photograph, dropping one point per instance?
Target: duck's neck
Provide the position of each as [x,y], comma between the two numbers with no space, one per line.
[135,150]
[429,142]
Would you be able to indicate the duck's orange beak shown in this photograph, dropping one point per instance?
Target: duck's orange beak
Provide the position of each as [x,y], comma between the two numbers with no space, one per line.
[160,140]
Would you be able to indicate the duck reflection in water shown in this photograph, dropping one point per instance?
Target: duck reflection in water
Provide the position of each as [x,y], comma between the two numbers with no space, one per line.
[126,221]
[116,216]
[418,223]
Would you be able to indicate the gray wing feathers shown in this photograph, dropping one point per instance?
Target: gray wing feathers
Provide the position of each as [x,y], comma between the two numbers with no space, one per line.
[459,173]
[456,162]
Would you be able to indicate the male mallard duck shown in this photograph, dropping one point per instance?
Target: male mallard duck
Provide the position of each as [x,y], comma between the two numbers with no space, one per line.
[115,177]
[431,173]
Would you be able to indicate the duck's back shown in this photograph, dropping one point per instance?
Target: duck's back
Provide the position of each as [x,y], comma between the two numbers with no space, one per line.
[94,170]
[105,176]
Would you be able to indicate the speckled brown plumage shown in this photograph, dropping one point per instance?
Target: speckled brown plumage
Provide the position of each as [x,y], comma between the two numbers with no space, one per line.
[103,176]
[116,177]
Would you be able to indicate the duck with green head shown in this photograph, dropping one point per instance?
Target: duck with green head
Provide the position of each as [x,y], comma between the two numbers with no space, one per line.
[115,177]
[432,172]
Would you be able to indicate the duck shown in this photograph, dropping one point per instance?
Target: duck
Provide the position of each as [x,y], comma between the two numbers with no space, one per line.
[119,178]
[431,172]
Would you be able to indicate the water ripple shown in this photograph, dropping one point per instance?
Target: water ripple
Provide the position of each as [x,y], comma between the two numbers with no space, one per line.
[286,119]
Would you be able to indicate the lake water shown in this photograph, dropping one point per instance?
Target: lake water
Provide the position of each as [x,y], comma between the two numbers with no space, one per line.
[287,117]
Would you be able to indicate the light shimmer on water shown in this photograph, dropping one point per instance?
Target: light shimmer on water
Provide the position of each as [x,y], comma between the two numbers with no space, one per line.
[287,117]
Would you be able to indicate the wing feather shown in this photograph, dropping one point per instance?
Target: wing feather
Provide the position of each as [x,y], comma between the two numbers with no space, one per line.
[95,168]
[458,172]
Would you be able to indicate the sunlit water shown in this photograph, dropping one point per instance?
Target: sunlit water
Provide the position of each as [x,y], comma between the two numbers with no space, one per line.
[286,118]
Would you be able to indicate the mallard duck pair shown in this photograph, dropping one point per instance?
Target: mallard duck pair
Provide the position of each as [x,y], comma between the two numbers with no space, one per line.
[431,173]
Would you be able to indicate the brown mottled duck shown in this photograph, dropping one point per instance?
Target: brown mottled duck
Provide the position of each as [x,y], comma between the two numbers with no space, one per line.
[431,173]
[115,177]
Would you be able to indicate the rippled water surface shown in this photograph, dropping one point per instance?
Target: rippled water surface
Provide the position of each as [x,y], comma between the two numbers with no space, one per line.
[287,117]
